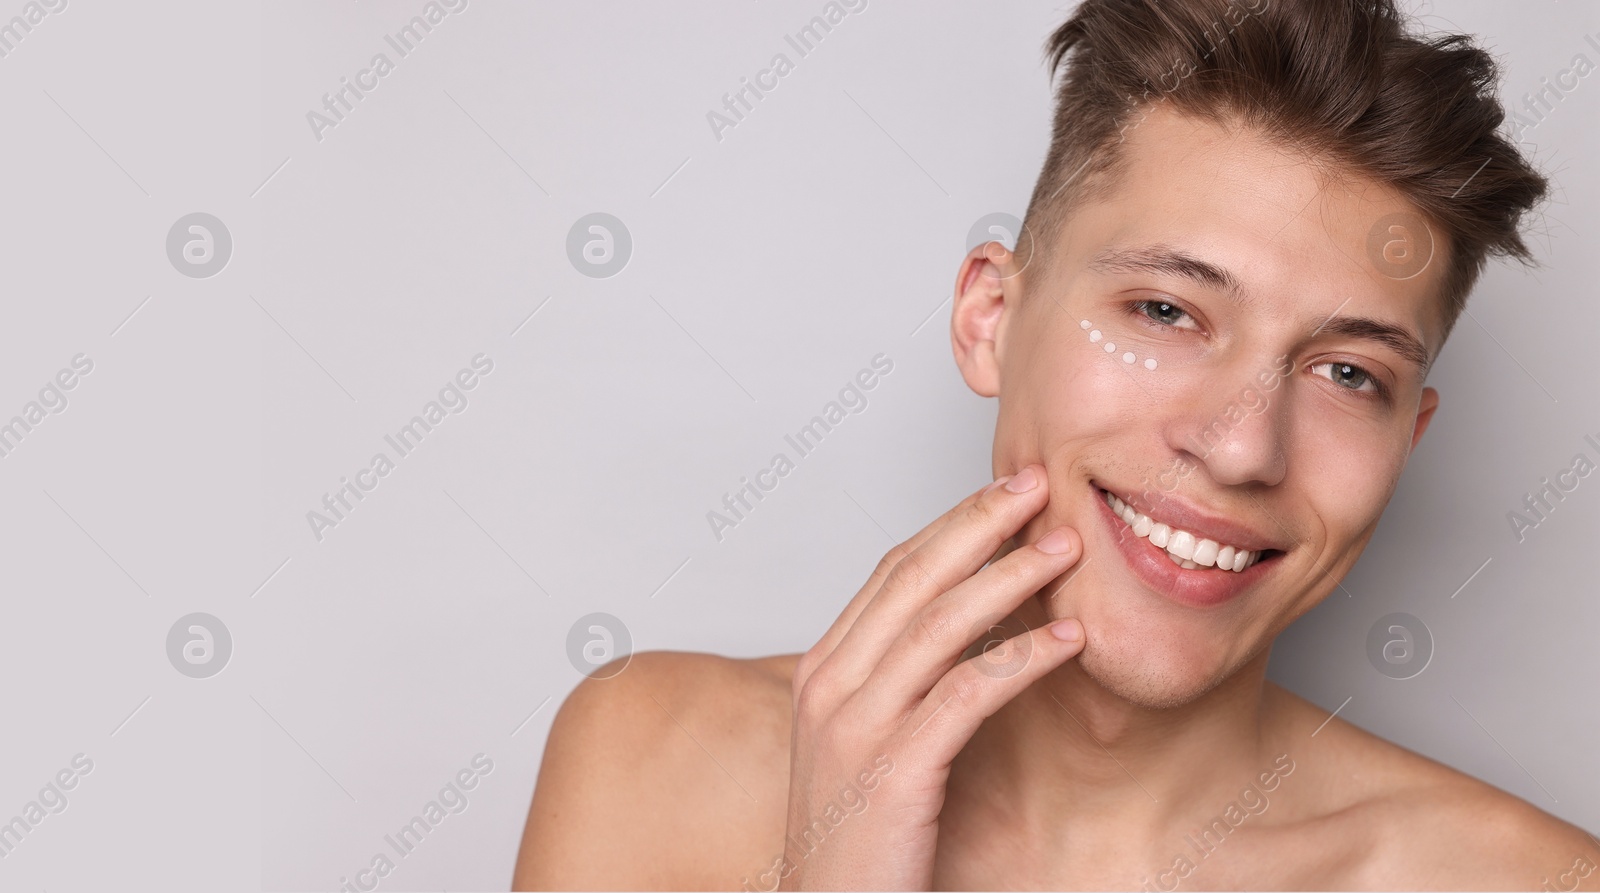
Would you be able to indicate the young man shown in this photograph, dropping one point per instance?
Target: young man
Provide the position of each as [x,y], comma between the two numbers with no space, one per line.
[1256,225]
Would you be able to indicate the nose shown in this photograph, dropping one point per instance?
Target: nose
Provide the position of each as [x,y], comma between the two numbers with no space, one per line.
[1235,426]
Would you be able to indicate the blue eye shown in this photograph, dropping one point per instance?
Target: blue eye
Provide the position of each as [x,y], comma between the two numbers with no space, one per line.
[1163,313]
[1352,377]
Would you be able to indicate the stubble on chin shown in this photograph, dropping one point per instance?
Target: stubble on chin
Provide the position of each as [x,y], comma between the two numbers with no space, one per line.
[1123,672]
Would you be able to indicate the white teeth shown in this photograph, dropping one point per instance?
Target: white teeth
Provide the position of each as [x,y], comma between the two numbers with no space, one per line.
[1160,535]
[1184,548]
[1181,544]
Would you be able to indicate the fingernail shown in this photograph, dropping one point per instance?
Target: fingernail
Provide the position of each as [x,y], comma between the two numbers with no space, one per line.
[1055,542]
[997,482]
[1023,481]
[1068,630]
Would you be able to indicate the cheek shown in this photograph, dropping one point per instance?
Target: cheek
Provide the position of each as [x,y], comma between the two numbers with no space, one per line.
[1353,485]
[1078,391]
[1122,343]
[1144,372]
[1069,391]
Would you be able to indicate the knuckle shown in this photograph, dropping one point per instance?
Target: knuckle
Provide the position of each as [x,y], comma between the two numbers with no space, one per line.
[1020,568]
[1006,658]
[891,558]
[804,668]
[964,688]
[930,628]
[814,697]
[910,575]
[985,511]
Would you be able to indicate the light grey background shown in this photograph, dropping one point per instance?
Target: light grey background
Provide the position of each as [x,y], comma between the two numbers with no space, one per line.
[429,226]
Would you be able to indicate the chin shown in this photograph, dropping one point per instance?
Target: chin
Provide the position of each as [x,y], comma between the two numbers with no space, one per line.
[1150,666]
[1143,685]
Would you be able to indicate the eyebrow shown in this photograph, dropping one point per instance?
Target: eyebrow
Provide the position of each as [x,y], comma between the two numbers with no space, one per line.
[1168,261]
[1391,336]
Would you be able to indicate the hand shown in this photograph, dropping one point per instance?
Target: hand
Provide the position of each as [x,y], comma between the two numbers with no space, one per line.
[883,703]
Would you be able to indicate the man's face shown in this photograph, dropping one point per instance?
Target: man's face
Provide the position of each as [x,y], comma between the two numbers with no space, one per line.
[1265,418]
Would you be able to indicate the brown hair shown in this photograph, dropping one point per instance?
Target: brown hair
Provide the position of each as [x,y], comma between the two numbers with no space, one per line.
[1342,80]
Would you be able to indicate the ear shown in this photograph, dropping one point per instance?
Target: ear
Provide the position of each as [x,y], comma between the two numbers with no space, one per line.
[1429,403]
[988,288]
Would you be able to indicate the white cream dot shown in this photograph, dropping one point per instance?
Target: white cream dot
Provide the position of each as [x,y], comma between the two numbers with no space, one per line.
[1110,348]
[1127,357]
[1095,335]
[1085,324]
[1150,363]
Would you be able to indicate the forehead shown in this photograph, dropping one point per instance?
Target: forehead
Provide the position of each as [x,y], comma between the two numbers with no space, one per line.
[1300,235]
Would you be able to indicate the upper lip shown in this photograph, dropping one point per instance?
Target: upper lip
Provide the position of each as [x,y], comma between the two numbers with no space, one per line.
[1175,512]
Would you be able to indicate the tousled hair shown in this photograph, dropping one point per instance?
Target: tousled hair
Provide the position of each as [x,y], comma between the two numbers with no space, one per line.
[1343,81]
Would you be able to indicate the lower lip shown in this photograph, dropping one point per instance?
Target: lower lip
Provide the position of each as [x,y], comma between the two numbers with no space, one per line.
[1200,587]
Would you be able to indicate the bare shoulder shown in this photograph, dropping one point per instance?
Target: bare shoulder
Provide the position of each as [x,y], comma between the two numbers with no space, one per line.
[1420,824]
[671,774]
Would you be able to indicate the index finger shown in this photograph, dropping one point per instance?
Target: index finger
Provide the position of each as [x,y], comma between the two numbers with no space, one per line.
[847,617]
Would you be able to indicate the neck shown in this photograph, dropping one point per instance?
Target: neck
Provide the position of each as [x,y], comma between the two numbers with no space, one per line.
[1069,768]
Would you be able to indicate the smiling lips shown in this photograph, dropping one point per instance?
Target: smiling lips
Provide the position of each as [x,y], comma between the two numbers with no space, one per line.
[1186,550]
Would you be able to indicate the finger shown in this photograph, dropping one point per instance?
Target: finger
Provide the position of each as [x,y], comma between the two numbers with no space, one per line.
[932,643]
[955,552]
[847,617]
[972,692]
